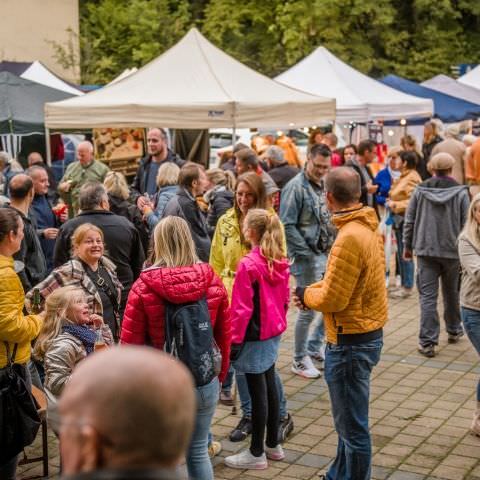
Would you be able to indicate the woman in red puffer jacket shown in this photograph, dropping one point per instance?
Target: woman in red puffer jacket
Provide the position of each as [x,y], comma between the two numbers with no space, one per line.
[178,277]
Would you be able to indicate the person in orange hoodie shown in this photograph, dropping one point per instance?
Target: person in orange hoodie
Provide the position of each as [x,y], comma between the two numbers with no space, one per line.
[353,299]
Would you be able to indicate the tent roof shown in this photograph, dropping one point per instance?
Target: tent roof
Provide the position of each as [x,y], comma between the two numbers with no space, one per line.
[450,86]
[192,85]
[126,73]
[22,104]
[471,78]
[38,72]
[358,96]
[449,109]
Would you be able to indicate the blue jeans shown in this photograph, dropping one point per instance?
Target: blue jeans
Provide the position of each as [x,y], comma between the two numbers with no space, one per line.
[307,271]
[198,462]
[471,323]
[347,373]
[407,268]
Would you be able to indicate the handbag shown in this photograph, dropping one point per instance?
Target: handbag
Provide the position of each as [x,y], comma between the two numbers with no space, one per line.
[19,419]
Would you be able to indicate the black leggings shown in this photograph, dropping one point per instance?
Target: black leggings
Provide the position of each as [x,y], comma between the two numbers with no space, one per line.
[265,409]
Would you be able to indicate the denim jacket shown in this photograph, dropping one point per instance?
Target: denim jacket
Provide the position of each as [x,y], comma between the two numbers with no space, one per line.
[306,219]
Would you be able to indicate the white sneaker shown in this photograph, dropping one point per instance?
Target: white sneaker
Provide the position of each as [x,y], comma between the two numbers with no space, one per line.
[246,461]
[275,453]
[305,368]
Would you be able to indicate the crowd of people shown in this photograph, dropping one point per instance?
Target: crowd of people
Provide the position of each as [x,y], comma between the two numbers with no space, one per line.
[198,262]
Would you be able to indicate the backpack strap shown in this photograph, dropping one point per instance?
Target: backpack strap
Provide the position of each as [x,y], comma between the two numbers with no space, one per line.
[11,359]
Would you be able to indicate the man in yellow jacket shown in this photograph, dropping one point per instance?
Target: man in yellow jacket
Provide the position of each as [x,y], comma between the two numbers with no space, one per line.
[353,299]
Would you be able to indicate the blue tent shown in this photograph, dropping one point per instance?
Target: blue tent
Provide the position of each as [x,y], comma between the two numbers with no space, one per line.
[447,108]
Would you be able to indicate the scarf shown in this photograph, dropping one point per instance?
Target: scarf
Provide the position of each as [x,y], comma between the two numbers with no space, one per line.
[84,334]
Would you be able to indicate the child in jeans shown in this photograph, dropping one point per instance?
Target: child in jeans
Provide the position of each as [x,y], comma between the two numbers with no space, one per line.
[258,314]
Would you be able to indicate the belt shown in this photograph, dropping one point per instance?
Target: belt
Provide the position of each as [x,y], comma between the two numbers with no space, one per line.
[357,338]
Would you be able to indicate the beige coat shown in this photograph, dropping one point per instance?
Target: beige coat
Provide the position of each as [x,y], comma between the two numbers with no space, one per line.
[402,190]
[470,262]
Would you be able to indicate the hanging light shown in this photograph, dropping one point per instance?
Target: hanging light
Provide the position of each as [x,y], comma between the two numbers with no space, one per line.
[403,122]
[391,133]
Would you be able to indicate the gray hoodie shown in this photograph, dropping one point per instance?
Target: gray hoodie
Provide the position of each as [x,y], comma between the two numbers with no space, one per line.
[435,217]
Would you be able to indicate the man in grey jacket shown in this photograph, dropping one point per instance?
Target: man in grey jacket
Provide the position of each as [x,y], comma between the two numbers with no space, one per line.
[435,216]
[309,235]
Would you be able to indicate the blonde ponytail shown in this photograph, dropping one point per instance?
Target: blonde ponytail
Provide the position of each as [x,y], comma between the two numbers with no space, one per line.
[269,231]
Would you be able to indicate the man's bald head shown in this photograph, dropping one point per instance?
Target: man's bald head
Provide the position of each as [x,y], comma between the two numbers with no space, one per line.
[34,159]
[343,184]
[85,153]
[136,406]
[20,186]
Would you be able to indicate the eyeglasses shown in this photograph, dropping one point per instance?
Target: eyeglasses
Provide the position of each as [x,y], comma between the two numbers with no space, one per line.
[319,166]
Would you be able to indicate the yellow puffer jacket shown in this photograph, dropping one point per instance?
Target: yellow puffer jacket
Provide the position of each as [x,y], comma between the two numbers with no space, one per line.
[228,249]
[353,295]
[15,327]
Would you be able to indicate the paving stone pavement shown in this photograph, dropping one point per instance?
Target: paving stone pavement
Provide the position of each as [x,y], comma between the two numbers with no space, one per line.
[420,413]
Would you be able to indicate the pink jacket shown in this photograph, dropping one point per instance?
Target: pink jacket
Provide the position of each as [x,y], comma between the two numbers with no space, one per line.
[259,298]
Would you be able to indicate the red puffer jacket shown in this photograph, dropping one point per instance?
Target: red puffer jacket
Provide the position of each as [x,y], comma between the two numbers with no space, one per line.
[144,314]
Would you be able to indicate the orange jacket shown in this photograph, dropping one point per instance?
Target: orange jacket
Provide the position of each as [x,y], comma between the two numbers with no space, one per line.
[353,295]
[290,151]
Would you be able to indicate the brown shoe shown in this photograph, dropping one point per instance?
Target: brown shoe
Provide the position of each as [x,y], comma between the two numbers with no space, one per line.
[226,398]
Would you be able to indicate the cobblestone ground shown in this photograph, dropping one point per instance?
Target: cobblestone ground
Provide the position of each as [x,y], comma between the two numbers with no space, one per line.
[421,410]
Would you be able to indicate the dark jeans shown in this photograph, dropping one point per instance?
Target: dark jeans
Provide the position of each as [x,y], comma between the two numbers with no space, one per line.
[429,271]
[471,323]
[347,373]
[265,409]
[407,268]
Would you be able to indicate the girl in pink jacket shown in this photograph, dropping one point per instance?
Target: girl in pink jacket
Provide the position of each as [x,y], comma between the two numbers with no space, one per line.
[258,317]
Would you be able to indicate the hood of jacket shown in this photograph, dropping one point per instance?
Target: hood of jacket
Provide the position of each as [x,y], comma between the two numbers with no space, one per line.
[364,215]
[179,284]
[279,269]
[440,195]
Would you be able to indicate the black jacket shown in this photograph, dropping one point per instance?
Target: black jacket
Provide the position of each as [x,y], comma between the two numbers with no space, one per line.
[363,184]
[427,153]
[282,174]
[122,244]
[124,208]
[219,201]
[31,255]
[185,206]
[140,181]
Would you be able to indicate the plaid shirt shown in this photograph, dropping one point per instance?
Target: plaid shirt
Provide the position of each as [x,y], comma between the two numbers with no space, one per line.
[72,273]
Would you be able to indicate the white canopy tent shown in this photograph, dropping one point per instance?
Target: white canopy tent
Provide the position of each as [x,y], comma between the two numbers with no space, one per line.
[359,97]
[192,85]
[37,72]
[471,78]
[126,73]
[450,86]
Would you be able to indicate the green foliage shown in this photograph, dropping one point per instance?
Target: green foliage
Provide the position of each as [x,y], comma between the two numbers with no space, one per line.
[412,38]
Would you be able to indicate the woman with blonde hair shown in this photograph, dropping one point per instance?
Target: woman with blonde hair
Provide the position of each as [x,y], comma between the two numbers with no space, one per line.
[409,144]
[219,196]
[68,335]
[91,271]
[260,300]
[177,278]
[469,253]
[118,199]
[430,138]
[167,183]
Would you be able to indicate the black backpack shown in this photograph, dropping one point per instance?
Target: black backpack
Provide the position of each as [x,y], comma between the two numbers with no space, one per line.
[189,337]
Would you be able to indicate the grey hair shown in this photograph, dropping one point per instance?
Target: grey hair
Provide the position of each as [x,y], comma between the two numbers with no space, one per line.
[4,157]
[275,155]
[91,196]
[34,168]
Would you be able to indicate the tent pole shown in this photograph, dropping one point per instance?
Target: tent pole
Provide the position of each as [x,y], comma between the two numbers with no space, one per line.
[48,146]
